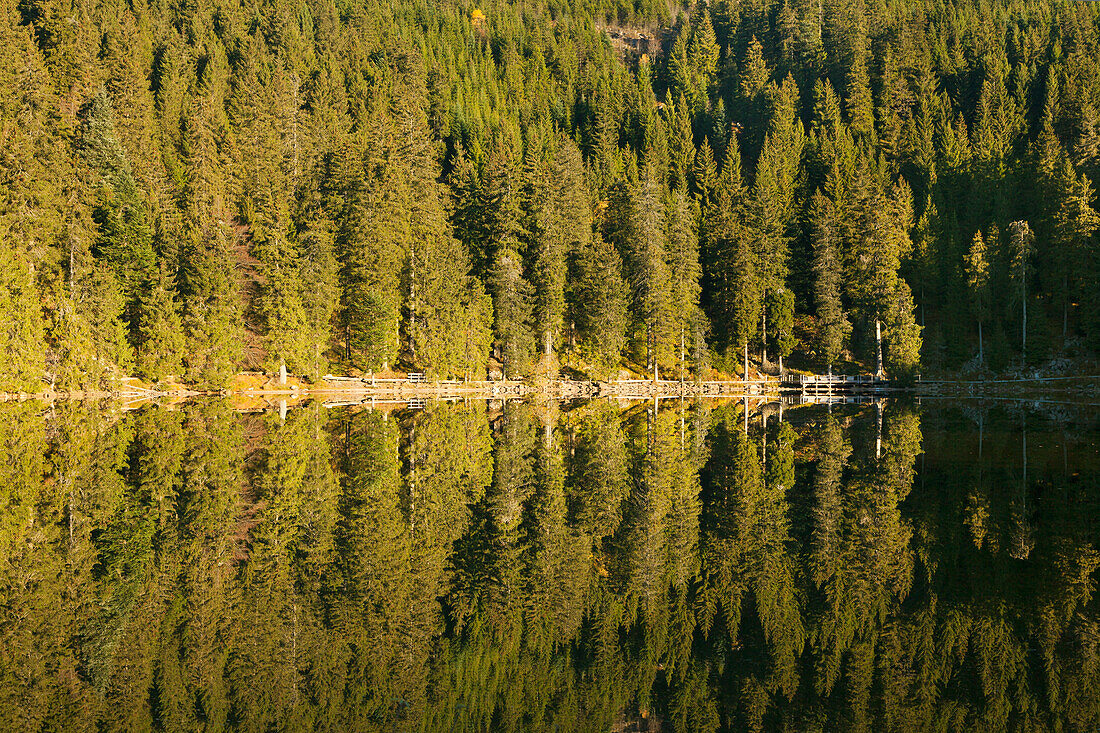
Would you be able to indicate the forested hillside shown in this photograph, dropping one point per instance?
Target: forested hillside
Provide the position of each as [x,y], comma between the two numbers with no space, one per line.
[195,188]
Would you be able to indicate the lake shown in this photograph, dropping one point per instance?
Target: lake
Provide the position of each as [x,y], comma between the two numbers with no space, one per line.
[587,566]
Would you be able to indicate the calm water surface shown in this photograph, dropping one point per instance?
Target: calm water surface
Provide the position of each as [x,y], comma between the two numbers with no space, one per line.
[569,567]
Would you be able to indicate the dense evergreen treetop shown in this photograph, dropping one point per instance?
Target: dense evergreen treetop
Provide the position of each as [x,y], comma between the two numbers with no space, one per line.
[192,190]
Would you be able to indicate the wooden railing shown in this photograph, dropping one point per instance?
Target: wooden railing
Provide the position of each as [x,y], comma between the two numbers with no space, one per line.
[832,379]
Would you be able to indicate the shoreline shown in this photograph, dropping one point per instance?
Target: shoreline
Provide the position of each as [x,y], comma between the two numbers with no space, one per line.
[365,388]
[403,390]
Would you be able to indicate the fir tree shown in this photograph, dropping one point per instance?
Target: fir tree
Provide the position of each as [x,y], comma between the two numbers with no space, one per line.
[1074,223]
[732,267]
[92,338]
[598,304]
[636,223]
[833,327]
[1021,243]
[124,240]
[318,272]
[161,347]
[779,305]
[859,103]
[681,144]
[22,361]
[684,270]
[563,227]
[977,277]
[210,314]
[513,296]
[512,307]
[372,243]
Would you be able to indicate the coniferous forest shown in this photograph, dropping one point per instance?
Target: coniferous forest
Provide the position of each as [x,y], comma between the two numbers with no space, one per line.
[192,189]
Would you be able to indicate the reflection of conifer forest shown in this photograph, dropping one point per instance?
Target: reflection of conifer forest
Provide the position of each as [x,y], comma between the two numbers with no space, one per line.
[196,188]
[531,568]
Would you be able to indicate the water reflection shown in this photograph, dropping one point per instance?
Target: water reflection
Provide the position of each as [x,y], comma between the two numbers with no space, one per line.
[587,566]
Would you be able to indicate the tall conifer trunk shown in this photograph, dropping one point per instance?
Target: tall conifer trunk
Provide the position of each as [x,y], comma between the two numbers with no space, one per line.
[878,431]
[878,346]
[1065,308]
[412,304]
[1023,335]
[763,338]
[681,354]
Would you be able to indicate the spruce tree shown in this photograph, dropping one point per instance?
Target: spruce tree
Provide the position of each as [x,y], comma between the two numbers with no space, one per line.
[598,304]
[882,299]
[753,81]
[211,314]
[684,270]
[446,312]
[507,280]
[124,240]
[161,345]
[977,278]
[452,329]
[779,305]
[22,355]
[706,173]
[732,266]
[318,270]
[373,242]
[284,315]
[639,232]
[1074,223]
[774,190]
[833,327]
[211,305]
[1021,244]
[681,143]
[680,71]
[512,307]
[466,216]
[859,102]
[563,226]
[903,344]
[94,349]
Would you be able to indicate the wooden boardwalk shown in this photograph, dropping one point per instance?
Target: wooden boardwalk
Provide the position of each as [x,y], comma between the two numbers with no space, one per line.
[647,388]
[415,391]
[555,389]
[830,384]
